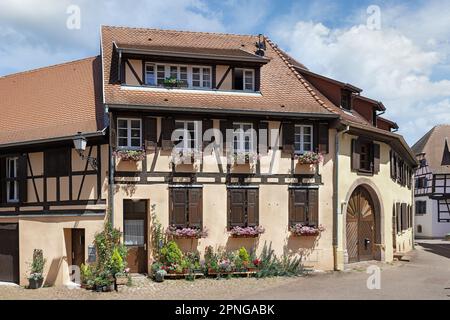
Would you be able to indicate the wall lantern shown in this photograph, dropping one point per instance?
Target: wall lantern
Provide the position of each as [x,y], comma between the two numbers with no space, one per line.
[80,143]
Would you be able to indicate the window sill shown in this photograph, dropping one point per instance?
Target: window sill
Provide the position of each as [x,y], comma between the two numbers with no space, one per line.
[191,90]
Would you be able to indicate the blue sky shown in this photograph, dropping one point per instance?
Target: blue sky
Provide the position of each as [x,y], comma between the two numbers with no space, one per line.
[404,63]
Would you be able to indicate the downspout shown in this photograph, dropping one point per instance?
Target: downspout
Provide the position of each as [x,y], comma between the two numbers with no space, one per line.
[337,207]
[111,176]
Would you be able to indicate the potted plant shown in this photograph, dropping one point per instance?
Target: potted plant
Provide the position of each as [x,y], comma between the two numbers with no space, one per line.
[36,277]
[247,232]
[173,82]
[130,154]
[87,276]
[186,232]
[305,230]
[159,275]
[244,157]
[309,157]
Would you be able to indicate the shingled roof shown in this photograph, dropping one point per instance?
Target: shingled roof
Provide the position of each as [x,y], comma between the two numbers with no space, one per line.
[433,145]
[55,101]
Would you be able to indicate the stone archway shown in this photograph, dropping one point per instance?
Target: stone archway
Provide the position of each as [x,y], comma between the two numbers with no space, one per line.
[363,218]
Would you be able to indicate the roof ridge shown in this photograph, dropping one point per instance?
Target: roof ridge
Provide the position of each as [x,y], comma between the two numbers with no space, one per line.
[299,77]
[48,67]
[182,31]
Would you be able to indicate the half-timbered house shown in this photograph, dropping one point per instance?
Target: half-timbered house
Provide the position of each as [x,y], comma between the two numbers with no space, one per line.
[199,130]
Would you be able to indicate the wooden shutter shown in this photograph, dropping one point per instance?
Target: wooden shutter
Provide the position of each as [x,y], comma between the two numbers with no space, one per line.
[113,131]
[376,158]
[323,138]
[195,207]
[313,207]
[356,146]
[2,180]
[206,125]
[399,216]
[288,137]
[298,206]
[252,207]
[22,173]
[236,207]
[410,217]
[167,127]
[150,133]
[404,216]
[179,202]
[392,166]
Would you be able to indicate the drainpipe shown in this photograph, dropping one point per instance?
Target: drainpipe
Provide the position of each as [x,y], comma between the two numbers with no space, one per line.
[112,162]
[337,207]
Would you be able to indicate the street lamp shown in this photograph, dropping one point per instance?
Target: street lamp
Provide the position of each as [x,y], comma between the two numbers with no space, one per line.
[80,143]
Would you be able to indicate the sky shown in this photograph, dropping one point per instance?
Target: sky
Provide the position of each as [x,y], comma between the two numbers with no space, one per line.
[398,52]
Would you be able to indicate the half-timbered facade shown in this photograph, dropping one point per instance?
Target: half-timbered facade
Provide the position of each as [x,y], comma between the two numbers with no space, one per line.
[208,131]
[432,180]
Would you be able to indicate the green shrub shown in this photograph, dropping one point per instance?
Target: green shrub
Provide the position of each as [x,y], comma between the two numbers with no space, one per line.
[171,254]
[272,266]
[243,255]
[117,264]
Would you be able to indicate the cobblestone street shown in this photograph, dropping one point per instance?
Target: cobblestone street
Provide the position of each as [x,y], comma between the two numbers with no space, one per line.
[426,276]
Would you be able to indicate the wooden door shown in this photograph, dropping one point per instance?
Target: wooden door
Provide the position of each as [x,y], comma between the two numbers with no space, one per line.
[78,256]
[135,234]
[360,226]
[9,252]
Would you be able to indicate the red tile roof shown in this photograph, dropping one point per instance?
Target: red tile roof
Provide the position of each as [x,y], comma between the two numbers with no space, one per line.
[55,101]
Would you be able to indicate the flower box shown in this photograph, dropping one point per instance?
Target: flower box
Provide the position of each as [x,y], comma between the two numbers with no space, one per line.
[174,83]
[130,155]
[309,157]
[242,158]
[121,280]
[184,156]
[246,232]
[304,230]
[186,233]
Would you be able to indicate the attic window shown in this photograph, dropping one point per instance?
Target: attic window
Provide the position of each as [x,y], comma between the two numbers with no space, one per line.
[244,79]
[346,100]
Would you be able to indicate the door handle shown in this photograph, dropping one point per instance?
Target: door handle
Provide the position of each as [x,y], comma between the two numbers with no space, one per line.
[145,247]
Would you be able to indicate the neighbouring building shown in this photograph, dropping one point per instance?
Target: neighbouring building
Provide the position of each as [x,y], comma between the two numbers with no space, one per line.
[432,184]
[159,96]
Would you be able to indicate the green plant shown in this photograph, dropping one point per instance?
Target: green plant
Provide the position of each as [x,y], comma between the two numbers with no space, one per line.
[87,273]
[156,266]
[158,235]
[117,264]
[171,254]
[37,265]
[243,255]
[270,265]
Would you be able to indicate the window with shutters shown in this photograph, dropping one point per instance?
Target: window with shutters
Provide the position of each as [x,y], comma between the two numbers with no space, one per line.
[12,182]
[186,75]
[187,134]
[243,137]
[421,182]
[244,79]
[346,100]
[186,207]
[57,162]
[303,139]
[243,207]
[129,133]
[365,156]
[303,207]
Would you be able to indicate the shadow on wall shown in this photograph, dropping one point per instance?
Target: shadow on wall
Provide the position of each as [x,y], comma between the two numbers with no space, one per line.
[53,271]
[302,246]
[128,188]
[233,244]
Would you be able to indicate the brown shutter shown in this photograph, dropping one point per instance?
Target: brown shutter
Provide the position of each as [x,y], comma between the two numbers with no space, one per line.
[2,180]
[355,154]
[178,207]
[195,207]
[22,173]
[299,201]
[113,131]
[404,216]
[150,133]
[323,138]
[252,207]
[391,160]
[167,127]
[236,207]
[376,158]
[399,216]
[288,137]
[313,207]
[206,125]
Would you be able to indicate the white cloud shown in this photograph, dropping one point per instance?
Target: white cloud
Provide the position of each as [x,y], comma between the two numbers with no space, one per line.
[388,64]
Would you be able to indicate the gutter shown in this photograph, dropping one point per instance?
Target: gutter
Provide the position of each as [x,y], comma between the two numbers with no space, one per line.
[56,139]
[336,206]
[112,165]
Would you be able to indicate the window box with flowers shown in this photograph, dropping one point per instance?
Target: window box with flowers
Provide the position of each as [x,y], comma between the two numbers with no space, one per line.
[130,154]
[309,157]
[244,158]
[173,82]
[186,232]
[184,156]
[305,230]
[246,232]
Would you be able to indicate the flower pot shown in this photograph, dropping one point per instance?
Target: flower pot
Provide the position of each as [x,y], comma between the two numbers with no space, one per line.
[98,288]
[35,284]
[121,280]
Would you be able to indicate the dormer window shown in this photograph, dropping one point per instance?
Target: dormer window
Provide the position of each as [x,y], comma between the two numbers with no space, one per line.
[244,79]
[186,76]
[346,100]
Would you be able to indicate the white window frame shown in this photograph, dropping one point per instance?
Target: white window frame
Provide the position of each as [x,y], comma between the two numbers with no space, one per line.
[154,74]
[15,181]
[129,146]
[189,69]
[302,137]
[240,134]
[244,70]
[185,145]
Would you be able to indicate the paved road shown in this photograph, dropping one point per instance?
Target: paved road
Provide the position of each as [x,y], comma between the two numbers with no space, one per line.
[426,276]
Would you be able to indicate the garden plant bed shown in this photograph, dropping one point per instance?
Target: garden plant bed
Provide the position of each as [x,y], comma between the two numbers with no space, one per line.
[184,275]
[246,274]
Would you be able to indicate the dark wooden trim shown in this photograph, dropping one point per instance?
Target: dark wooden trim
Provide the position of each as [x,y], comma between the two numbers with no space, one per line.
[141,82]
[53,203]
[84,175]
[99,172]
[32,178]
[223,77]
